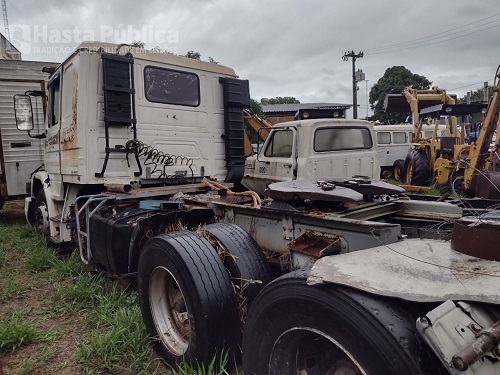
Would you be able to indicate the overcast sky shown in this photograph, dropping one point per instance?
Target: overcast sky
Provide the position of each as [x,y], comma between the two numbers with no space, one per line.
[285,48]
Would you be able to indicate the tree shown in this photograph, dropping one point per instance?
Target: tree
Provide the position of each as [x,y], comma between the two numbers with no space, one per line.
[476,96]
[256,107]
[193,55]
[283,100]
[138,43]
[394,81]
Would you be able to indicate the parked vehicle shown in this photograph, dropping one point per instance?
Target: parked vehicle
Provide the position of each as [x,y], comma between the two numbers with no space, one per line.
[20,155]
[394,142]
[313,148]
[137,146]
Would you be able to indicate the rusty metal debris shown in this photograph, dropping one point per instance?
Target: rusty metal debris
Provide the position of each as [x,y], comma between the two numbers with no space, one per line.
[477,236]
[485,341]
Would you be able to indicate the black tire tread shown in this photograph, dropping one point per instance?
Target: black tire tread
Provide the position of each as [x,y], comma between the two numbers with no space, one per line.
[387,316]
[420,165]
[400,164]
[207,286]
[250,261]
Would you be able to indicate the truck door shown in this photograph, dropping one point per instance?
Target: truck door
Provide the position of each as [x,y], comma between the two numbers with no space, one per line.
[278,159]
[52,141]
[19,154]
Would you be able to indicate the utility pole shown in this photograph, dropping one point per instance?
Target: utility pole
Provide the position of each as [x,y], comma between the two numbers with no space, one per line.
[354,56]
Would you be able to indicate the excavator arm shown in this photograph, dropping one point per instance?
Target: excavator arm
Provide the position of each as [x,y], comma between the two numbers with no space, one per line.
[414,96]
[479,150]
[257,126]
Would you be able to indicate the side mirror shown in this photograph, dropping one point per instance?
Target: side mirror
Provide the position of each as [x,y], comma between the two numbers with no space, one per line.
[23,112]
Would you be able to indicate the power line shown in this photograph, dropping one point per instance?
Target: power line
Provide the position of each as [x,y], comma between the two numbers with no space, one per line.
[428,44]
[432,36]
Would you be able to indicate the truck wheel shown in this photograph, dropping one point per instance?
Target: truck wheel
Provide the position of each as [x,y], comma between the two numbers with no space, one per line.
[398,170]
[294,328]
[41,215]
[244,260]
[417,168]
[2,201]
[187,300]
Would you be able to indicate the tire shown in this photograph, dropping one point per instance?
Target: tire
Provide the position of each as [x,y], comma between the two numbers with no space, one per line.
[327,329]
[40,220]
[398,170]
[417,168]
[244,260]
[187,300]
[2,201]
[386,173]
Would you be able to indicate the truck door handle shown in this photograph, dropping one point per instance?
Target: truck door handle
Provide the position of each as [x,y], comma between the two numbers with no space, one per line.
[20,144]
[287,165]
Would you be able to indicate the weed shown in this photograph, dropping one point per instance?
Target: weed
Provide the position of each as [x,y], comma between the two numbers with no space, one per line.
[121,341]
[30,364]
[217,366]
[16,331]
[40,259]
[69,266]
[15,288]
[78,296]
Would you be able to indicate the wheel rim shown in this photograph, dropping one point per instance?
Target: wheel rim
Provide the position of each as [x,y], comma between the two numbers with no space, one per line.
[293,345]
[397,174]
[169,311]
[409,174]
[41,219]
[387,174]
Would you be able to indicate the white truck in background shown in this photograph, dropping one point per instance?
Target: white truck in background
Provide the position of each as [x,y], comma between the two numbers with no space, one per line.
[369,284]
[313,148]
[20,154]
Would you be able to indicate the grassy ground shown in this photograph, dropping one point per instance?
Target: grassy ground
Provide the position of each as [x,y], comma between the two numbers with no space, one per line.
[56,319]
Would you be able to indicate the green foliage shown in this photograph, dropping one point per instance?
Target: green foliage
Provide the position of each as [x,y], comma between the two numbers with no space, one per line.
[69,266]
[119,339]
[256,107]
[284,100]
[15,288]
[16,331]
[35,360]
[138,43]
[193,55]
[41,258]
[78,296]
[476,96]
[217,366]
[394,81]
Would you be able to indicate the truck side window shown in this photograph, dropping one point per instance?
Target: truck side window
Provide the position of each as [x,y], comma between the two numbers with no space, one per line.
[280,145]
[55,96]
[342,139]
[171,86]
[399,138]
[383,138]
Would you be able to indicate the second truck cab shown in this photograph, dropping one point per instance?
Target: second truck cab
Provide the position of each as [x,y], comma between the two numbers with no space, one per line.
[320,148]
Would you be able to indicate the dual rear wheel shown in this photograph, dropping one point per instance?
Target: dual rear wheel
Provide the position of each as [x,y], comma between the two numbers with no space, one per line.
[190,293]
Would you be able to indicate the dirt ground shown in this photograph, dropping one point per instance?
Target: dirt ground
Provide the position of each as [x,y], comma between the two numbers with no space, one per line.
[56,356]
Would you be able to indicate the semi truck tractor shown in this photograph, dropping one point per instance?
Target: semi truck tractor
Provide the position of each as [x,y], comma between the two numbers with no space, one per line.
[327,275]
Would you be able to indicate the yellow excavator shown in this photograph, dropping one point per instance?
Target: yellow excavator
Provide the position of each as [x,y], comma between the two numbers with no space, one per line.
[448,160]
[256,125]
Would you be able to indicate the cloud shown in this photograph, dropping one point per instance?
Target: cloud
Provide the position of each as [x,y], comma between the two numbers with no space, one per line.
[294,48]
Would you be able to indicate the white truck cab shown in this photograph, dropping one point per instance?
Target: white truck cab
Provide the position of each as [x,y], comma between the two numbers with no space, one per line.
[319,148]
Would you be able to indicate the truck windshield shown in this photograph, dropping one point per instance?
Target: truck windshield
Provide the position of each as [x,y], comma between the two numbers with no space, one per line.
[280,145]
[341,139]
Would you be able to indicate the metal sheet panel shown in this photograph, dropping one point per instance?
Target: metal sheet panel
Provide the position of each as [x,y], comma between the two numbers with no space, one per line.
[414,270]
[20,154]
